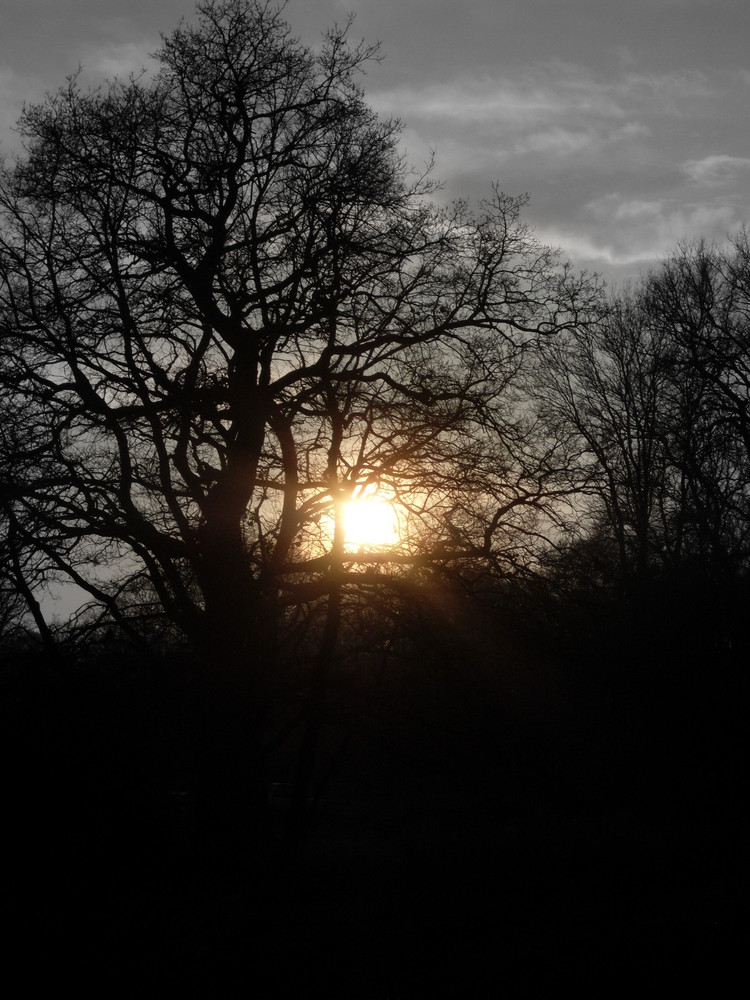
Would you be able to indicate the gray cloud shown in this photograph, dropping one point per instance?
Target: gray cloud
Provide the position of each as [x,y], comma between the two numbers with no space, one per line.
[626,123]
[717,169]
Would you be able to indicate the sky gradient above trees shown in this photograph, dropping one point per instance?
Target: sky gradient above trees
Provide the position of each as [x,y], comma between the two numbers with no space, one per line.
[627,126]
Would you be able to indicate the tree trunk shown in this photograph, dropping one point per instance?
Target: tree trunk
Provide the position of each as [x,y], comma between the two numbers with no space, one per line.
[308,750]
[230,718]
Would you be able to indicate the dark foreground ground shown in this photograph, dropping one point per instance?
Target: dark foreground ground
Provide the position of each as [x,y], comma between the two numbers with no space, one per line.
[455,904]
[567,853]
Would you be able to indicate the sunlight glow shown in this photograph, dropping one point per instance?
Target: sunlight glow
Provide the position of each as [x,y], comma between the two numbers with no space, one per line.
[370,523]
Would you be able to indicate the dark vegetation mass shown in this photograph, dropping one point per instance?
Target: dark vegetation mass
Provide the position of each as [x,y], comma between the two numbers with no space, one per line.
[509,748]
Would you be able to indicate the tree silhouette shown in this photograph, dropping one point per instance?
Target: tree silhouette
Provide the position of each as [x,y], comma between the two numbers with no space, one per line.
[227,304]
[655,396]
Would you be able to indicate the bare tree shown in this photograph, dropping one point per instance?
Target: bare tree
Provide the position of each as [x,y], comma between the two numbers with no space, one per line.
[655,396]
[231,305]
[605,388]
[699,304]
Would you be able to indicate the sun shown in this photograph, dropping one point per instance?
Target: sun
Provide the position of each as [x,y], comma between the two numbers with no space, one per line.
[370,522]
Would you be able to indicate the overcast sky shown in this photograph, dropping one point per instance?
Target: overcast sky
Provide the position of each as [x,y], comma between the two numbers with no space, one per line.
[627,122]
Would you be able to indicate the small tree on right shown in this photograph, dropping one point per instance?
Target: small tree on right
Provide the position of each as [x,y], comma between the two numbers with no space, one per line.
[656,396]
[699,304]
